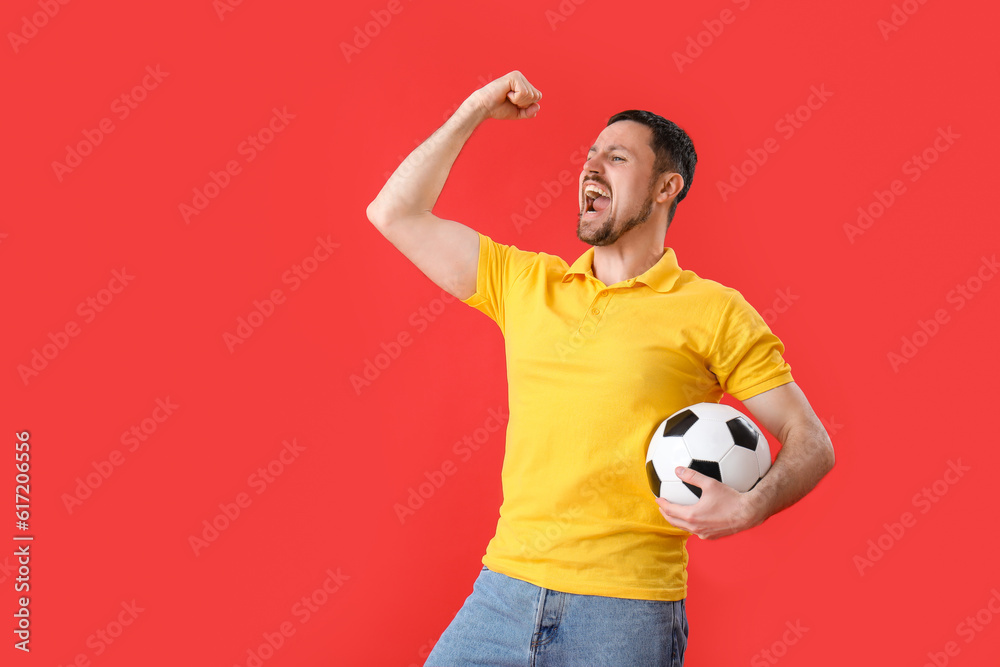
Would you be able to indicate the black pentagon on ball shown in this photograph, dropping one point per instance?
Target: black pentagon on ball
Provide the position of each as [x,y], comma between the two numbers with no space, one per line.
[708,468]
[680,423]
[743,433]
[654,479]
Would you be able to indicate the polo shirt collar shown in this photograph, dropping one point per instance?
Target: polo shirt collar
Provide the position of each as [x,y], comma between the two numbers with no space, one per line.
[660,277]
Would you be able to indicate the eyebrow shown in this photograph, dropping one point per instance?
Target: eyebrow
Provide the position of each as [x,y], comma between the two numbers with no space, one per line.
[612,147]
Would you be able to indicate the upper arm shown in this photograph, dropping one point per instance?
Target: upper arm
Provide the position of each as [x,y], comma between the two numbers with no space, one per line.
[446,251]
[782,408]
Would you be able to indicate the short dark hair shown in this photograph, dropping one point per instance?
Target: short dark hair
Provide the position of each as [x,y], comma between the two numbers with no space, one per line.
[672,147]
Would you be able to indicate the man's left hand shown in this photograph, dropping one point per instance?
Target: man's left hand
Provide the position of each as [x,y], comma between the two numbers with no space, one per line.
[721,510]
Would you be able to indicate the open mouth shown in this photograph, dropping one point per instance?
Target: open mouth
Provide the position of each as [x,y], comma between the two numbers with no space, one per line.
[596,198]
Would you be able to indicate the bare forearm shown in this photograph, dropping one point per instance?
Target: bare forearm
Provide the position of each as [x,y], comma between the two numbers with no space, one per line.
[417,183]
[806,456]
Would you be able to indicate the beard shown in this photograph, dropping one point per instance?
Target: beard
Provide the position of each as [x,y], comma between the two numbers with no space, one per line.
[606,234]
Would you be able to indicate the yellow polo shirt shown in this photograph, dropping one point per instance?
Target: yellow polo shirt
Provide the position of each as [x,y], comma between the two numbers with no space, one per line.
[592,370]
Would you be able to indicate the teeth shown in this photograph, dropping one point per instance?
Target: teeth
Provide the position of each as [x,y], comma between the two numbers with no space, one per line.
[600,192]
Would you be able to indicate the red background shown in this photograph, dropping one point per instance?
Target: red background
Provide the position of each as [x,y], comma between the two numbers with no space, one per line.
[895,429]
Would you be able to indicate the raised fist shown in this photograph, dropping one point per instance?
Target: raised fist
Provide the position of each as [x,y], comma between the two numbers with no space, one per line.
[510,96]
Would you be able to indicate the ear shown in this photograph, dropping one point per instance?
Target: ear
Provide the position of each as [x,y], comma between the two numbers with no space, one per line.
[670,185]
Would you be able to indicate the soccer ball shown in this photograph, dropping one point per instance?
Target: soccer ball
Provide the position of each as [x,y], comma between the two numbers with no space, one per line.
[716,440]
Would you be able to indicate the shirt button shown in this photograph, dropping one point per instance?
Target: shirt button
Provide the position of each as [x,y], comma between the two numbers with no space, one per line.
[597,311]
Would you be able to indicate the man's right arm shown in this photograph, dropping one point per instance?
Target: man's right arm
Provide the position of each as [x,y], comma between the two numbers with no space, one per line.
[446,251]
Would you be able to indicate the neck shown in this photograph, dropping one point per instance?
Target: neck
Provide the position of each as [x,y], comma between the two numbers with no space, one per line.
[630,256]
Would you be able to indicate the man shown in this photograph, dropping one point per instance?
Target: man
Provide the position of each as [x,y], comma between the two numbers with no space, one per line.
[582,570]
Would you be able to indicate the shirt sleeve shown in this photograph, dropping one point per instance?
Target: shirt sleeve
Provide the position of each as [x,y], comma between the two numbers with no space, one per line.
[500,266]
[746,357]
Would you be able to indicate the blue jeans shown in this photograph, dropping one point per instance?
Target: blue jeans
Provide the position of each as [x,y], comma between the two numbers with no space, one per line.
[510,622]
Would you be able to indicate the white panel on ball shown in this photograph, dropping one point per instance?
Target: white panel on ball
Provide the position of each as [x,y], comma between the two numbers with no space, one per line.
[676,492]
[714,411]
[708,440]
[666,454]
[739,469]
[763,455]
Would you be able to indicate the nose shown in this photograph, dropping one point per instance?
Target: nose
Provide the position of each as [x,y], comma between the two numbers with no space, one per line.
[593,164]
